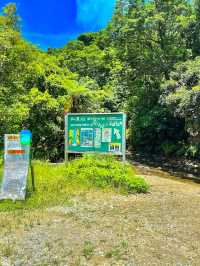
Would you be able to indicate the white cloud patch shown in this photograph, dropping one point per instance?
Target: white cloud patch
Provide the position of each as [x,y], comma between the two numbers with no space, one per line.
[94,14]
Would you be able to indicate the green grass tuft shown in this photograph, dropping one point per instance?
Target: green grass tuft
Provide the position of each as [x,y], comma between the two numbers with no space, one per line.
[57,184]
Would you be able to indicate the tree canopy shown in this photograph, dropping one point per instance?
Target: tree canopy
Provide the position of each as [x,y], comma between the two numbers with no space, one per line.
[145,63]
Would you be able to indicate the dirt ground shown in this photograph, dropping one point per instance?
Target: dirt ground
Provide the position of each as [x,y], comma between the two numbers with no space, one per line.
[98,228]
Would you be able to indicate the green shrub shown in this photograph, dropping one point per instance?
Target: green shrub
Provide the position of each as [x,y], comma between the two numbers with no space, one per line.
[192,150]
[168,148]
[105,171]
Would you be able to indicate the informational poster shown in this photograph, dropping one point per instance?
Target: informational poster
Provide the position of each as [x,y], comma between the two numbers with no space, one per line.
[74,137]
[16,165]
[106,135]
[114,147]
[87,137]
[97,138]
[100,133]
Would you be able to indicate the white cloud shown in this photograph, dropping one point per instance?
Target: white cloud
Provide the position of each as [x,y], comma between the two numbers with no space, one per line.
[94,13]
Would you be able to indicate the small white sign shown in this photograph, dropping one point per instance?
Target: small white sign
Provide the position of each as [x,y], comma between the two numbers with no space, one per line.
[16,165]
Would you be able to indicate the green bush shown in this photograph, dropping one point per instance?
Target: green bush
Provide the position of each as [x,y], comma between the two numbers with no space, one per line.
[168,148]
[192,150]
[105,171]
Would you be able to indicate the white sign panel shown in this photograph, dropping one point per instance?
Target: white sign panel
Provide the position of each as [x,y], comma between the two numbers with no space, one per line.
[16,165]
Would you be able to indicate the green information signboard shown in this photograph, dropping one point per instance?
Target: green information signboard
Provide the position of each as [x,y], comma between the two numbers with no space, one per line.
[99,133]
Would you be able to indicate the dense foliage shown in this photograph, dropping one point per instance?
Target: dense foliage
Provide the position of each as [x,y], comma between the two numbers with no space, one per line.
[181,94]
[35,90]
[144,63]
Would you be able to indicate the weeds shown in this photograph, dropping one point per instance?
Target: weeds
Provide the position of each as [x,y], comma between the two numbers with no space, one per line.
[6,249]
[118,252]
[88,250]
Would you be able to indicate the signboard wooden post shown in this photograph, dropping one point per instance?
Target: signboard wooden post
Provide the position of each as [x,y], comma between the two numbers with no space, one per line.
[95,133]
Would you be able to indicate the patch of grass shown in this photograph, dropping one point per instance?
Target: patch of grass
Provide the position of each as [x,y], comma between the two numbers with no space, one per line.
[6,250]
[113,253]
[105,171]
[88,250]
[118,252]
[56,184]
[1,166]
[52,188]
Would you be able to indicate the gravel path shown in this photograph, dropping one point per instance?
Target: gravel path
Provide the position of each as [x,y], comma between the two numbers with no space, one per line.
[159,228]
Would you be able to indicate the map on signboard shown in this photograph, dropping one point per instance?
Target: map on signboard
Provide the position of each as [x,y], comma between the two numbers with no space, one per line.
[87,135]
[74,137]
[16,164]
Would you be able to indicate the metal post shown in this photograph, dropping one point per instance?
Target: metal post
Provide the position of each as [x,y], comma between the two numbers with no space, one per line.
[32,170]
[33,177]
[66,138]
[124,138]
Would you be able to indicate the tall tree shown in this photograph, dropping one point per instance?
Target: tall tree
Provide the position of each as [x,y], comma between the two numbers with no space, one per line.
[148,40]
[11,18]
[192,32]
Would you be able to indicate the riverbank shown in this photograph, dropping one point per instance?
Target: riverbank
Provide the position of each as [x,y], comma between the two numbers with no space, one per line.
[181,167]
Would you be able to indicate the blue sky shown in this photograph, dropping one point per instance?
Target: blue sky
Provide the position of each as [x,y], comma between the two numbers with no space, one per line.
[51,23]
